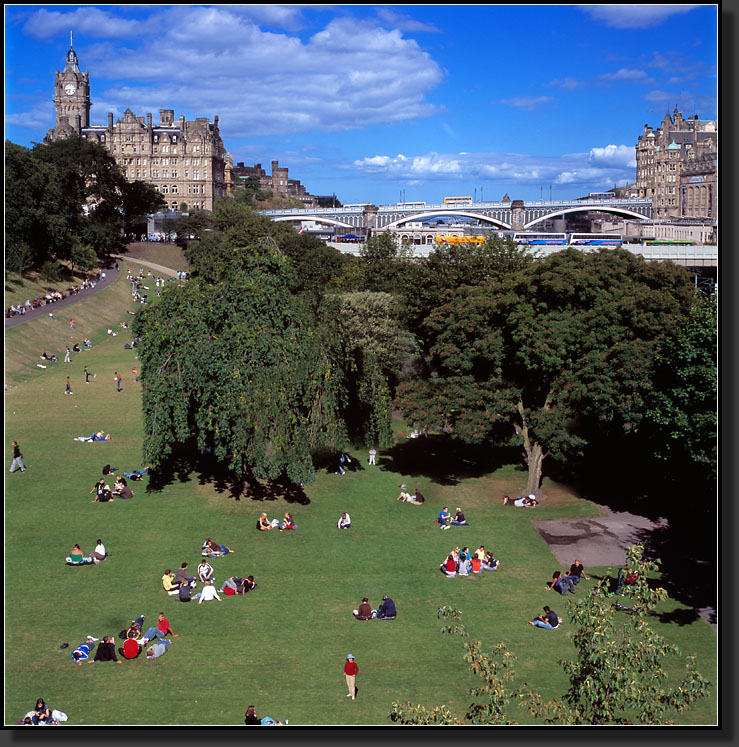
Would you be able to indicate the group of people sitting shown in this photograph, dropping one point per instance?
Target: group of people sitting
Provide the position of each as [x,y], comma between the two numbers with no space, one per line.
[446,520]
[135,640]
[42,715]
[182,583]
[463,562]
[265,525]
[527,501]
[417,498]
[78,557]
[564,583]
[386,611]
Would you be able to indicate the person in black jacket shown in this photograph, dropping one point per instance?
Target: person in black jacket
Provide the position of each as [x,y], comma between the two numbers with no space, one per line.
[250,718]
[106,651]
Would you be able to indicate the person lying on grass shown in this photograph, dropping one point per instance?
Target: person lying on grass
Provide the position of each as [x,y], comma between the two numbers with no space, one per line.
[239,584]
[214,549]
[561,583]
[97,436]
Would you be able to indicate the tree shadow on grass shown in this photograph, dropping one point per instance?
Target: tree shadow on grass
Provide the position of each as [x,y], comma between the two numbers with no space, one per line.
[445,460]
[184,465]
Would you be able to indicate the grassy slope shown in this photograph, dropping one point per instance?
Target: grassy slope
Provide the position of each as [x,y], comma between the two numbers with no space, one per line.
[282,647]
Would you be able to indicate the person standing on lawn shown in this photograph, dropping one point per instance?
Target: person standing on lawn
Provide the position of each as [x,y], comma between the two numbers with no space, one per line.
[68,390]
[118,379]
[17,458]
[350,672]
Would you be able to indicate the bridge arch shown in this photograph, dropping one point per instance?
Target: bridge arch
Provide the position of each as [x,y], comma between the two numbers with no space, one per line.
[587,209]
[438,213]
[314,219]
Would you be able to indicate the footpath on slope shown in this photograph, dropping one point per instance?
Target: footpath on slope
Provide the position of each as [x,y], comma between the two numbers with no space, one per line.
[111,275]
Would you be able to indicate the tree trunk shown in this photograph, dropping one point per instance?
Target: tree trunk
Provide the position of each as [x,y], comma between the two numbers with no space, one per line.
[534,454]
[247,479]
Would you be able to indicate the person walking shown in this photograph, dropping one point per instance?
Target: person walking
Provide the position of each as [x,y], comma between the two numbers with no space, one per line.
[372,455]
[118,379]
[67,355]
[68,390]
[17,458]
[350,671]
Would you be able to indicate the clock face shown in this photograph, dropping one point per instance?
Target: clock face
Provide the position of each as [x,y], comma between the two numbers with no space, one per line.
[70,89]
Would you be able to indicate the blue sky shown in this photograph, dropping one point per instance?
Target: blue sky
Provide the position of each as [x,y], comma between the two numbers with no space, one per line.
[375,102]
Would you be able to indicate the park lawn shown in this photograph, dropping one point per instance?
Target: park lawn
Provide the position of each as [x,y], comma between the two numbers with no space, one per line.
[22,287]
[166,255]
[282,647]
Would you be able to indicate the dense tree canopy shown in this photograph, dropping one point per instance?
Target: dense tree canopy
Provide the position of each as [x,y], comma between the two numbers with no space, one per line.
[68,193]
[239,367]
[530,359]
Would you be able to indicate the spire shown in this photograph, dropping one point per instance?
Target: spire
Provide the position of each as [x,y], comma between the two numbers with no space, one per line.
[72,61]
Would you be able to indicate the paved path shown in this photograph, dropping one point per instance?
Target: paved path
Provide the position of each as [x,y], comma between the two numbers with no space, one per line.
[602,541]
[111,275]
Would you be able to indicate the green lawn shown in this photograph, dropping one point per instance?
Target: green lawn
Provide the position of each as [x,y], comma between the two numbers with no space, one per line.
[283,647]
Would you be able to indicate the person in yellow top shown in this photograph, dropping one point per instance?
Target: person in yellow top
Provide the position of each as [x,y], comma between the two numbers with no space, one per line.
[168,582]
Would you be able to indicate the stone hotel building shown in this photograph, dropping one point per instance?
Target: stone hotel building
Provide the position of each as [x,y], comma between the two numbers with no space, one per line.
[185,160]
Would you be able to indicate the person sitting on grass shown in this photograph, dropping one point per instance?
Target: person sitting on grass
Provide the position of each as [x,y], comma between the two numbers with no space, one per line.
[444,518]
[561,583]
[549,620]
[214,549]
[345,521]
[417,498]
[170,583]
[577,571]
[459,520]
[133,631]
[449,566]
[365,611]
[48,357]
[183,576]
[130,650]
[41,713]
[287,522]
[464,566]
[205,571]
[208,593]
[476,564]
[103,492]
[121,489]
[106,651]
[490,563]
[386,611]
[77,557]
[263,523]
[108,470]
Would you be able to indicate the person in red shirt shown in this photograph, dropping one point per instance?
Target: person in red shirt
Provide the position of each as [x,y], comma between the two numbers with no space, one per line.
[130,650]
[350,670]
[164,625]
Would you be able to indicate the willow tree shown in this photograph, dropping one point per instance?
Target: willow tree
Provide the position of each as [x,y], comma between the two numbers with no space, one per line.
[239,366]
[541,358]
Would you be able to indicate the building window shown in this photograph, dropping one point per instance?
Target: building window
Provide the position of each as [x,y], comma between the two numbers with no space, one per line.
[174,189]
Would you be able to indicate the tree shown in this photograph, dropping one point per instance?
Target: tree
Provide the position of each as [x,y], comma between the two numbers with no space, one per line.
[538,358]
[491,700]
[618,675]
[238,366]
[681,419]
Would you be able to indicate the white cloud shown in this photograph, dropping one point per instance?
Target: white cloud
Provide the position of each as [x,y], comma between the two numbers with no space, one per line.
[601,167]
[638,76]
[267,83]
[634,16]
[44,24]
[569,84]
[527,102]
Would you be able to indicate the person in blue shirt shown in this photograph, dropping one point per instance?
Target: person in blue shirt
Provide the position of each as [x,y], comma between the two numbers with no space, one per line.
[386,611]
[444,518]
[82,651]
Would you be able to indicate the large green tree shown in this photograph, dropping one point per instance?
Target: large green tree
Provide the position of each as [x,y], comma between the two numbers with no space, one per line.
[540,358]
[240,367]
[64,194]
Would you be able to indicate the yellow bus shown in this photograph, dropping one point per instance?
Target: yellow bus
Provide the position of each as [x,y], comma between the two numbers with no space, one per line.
[460,240]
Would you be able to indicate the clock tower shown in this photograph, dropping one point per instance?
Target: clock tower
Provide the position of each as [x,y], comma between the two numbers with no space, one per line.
[72,94]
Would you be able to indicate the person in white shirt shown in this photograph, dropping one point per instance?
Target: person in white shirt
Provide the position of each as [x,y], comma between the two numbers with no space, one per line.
[344,521]
[99,553]
[209,592]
